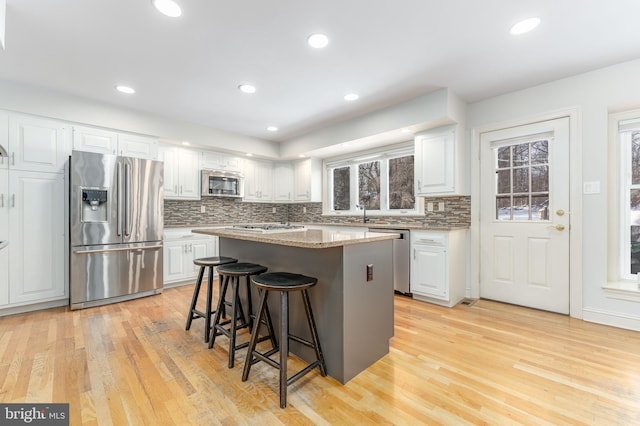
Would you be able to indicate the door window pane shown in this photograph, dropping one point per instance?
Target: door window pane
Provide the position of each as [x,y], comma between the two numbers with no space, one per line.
[341,194]
[540,152]
[540,207]
[504,181]
[504,157]
[521,180]
[503,208]
[540,179]
[369,185]
[401,195]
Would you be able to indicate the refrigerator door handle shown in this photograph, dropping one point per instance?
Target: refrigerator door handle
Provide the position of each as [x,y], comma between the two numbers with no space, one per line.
[93,251]
[119,198]
[127,199]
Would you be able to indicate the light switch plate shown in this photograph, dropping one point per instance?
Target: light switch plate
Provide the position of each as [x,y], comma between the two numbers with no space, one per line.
[591,187]
[203,209]
[429,207]
[441,206]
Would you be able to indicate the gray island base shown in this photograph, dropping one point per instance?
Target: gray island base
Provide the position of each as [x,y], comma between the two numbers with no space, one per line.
[353,311]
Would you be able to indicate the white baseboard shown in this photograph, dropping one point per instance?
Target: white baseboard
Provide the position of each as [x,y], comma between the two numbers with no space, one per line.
[629,322]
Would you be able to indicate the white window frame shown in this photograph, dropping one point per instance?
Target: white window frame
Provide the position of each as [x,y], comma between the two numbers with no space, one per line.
[383,154]
[626,128]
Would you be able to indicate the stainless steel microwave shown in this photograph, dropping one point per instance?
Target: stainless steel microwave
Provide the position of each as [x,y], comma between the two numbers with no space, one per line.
[222,184]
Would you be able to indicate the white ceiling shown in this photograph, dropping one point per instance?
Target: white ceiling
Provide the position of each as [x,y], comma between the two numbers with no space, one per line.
[387,51]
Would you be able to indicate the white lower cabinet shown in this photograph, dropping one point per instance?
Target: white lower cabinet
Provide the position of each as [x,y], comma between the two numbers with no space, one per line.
[181,247]
[438,266]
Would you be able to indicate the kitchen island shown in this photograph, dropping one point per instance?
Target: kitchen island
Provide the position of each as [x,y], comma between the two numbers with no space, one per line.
[353,300]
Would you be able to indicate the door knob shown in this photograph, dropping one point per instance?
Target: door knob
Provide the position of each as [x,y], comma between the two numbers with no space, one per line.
[559,227]
[560,212]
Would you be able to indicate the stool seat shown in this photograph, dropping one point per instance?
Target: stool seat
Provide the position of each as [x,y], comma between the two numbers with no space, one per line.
[241,269]
[284,281]
[194,313]
[213,261]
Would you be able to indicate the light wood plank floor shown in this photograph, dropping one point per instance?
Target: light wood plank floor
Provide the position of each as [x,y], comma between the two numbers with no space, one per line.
[490,363]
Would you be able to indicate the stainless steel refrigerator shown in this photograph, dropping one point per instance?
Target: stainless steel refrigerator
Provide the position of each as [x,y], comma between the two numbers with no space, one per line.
[116,226]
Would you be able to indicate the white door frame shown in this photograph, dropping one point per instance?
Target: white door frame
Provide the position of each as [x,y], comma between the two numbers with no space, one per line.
[575,197]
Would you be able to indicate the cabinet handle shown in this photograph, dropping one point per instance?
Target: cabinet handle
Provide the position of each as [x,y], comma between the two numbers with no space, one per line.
[1,200]
[13,158]
[180,189]
[190,248]
[13,200]
[419,184]
[414,254]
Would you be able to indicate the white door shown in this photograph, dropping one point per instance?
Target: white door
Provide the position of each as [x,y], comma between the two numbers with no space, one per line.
[524,215]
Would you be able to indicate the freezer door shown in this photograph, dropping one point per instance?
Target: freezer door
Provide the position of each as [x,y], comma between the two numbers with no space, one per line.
[103,272]
[94,199]
[143,200]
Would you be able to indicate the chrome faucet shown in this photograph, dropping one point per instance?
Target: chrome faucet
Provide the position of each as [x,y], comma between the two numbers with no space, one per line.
[365,219]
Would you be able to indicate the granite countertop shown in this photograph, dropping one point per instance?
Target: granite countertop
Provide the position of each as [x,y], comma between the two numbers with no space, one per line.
[309,238]
[411,226]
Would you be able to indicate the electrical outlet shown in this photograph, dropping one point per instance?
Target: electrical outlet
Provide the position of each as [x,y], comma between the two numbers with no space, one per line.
[304,210]
[441,206]
[429,207]
[370,272]
[273,210]
[203,209]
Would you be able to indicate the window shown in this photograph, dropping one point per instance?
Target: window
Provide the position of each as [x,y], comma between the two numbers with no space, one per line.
[522,181]
[630,198]
[381,182]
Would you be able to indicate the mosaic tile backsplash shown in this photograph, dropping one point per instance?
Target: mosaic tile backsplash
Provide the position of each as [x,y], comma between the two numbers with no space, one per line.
[457,212]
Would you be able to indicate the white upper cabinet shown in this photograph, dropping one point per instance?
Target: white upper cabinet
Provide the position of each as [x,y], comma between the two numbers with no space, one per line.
[283,182]
[435,162]
[4,138]
[37,144]
[219,161]
[138,146]
[308,180]
[110,142]
[181,173]
[258,180]
[4,236]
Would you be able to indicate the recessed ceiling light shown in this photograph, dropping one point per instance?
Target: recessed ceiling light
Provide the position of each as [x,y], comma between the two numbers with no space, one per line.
[272,128]
[125,89]
[318,41]
[525,26]
[301,155]
[186,143]
[249,154]
[405,130]
[167,7]
[351,96]
[247,88]
[345,144]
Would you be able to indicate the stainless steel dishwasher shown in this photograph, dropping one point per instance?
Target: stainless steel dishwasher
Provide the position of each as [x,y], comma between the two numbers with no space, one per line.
[400,259]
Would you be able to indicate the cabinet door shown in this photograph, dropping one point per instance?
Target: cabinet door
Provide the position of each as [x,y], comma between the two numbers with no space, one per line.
[36,237]
[435,155]
[251,191]
[189,174]
[138,146]
[429,271]
[168,155]
[265,180]
[308,180]
[197,249]
[95,140]
[4,138]
[283,182]
[4,236]
[37,144]
[174,261]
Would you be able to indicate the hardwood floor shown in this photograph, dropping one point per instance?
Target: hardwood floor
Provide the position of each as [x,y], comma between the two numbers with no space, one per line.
[490,363]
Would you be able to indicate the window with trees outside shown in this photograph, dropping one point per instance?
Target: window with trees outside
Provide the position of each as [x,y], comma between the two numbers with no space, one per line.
[380,182]
[630,198]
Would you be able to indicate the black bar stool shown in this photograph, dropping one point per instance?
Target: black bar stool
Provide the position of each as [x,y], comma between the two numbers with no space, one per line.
[237,319]
[205,262]
[284,282]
